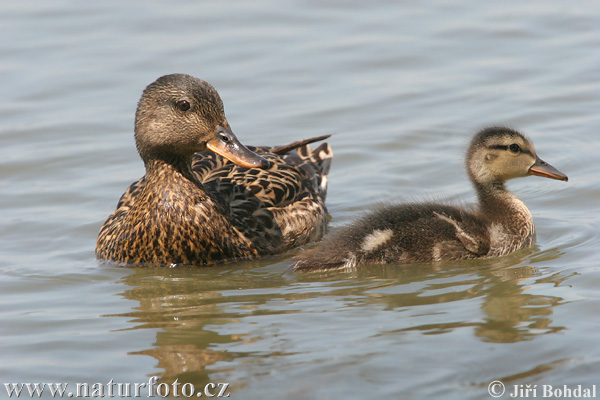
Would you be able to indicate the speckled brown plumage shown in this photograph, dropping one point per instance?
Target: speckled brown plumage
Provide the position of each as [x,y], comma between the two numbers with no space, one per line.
[278,208]
[196,207]
[409,233]
[167,219]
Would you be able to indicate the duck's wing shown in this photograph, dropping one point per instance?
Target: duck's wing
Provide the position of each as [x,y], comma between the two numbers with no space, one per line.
[277,208]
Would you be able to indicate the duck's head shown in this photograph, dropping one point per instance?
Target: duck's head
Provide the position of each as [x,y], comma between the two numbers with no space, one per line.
[179,115]
[497,154]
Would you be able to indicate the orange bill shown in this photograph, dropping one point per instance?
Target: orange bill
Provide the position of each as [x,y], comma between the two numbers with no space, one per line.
[542,168]
[227,145]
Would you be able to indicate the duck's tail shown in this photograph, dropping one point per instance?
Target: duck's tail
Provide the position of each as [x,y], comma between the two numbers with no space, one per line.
[315,162]
[298,143]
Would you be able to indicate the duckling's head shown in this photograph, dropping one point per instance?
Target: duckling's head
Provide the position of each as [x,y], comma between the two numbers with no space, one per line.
[179,115]
[497,154]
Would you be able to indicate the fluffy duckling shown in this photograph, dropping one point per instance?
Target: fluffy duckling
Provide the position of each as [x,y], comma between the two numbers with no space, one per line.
[427,232]
[205,197]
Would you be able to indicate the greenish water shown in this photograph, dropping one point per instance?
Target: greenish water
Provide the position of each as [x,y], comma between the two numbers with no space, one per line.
[403,87]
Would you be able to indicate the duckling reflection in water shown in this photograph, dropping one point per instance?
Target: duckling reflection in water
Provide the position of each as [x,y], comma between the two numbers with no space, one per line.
[195,205]
[425,232]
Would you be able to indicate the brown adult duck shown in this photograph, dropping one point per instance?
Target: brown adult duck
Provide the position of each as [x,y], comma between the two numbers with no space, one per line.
[426,232]
[205,197]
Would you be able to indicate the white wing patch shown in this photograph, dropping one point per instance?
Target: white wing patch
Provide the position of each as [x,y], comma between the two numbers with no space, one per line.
[376,239]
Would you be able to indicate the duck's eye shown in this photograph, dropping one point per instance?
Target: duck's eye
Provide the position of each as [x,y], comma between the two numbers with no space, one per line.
[514,148]
[183,105]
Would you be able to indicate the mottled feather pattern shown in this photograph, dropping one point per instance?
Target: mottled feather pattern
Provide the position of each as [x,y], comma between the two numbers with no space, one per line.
[193,206]
[166,227]
[278,208]
[240,212]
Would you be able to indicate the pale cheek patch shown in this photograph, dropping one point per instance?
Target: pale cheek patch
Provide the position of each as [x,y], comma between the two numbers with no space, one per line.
[376,239]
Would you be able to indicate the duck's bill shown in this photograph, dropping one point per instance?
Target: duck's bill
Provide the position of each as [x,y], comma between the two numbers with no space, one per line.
[227,145]
[542,168]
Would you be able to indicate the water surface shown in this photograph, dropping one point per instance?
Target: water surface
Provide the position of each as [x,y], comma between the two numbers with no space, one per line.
[403,86]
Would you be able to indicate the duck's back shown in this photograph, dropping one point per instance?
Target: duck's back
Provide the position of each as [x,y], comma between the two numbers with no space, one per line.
[277,208]
[404,233]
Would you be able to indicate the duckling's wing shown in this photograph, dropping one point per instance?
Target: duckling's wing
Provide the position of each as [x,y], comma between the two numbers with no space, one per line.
[472,237]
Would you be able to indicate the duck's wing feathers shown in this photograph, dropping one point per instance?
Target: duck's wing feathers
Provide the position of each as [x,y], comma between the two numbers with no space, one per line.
[276,208]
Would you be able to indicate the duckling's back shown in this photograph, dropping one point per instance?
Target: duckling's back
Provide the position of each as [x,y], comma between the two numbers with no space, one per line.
[405,233]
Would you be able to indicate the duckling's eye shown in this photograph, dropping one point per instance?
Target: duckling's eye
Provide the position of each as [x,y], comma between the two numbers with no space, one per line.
[514,148]
[183,105]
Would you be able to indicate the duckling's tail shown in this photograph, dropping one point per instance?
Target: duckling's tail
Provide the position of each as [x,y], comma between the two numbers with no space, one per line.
[327,256]
[307,265]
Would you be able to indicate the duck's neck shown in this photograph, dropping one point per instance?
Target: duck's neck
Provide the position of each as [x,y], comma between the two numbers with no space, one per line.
[165,168]
[511,224]
[500,205]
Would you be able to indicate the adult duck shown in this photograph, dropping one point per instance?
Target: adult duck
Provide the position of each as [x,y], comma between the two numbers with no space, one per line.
[425,232]
[205,197]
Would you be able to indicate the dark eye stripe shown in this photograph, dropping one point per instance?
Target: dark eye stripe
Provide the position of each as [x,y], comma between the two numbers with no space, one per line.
[502,147]
[498,147]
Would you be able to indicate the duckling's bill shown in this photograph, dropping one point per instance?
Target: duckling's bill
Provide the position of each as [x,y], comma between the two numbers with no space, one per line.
[543,169]
[226,144]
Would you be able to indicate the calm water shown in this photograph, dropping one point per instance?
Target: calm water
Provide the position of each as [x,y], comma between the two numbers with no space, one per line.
[403,86]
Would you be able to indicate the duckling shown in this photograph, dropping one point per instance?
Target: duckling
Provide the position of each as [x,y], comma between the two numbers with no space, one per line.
[205,197]
[426,232]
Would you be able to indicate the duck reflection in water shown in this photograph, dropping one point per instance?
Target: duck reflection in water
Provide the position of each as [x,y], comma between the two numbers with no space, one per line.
[214,323]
